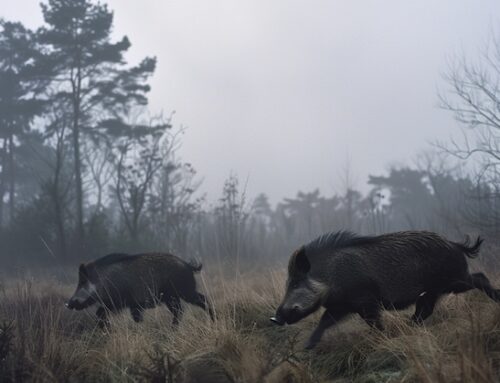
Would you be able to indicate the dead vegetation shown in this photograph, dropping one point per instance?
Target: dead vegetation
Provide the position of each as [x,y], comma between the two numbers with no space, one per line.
[41,341]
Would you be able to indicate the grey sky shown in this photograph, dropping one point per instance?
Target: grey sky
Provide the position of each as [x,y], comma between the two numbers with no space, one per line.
[284,92]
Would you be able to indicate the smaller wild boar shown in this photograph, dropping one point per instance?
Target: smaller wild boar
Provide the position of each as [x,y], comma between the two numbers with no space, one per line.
[346,273]
[137,282]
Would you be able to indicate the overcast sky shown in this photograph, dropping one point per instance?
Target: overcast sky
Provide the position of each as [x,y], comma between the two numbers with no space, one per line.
[286,93]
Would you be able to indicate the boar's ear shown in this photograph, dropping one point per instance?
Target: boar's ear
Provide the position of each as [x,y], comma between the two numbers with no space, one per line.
[82,272]
[300,261]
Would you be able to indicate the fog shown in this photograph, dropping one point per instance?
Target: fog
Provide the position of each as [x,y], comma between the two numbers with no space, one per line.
[243,129]
[221,184]
[286,93]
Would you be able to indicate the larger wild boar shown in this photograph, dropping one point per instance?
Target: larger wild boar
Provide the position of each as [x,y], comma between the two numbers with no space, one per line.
[137,282]
[346,273]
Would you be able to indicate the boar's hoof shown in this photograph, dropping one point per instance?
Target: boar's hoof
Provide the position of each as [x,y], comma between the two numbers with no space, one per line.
[310,345]
[277,321]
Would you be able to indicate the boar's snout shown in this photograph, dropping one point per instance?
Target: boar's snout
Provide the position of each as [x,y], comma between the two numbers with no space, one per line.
[277,320]
[74,304]
[288,315]
[280,318]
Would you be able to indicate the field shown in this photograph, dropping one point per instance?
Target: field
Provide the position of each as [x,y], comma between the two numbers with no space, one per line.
[41,341]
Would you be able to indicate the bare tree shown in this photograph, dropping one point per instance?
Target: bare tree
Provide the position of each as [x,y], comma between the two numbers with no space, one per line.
[231,218]
[173,205]
[137,159]
[473,96]
[97,157]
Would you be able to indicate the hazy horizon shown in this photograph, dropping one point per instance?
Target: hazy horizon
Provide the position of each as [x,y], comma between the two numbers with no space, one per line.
[284,94]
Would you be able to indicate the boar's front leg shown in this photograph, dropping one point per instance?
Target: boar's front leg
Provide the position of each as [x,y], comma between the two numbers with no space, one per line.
[328,319]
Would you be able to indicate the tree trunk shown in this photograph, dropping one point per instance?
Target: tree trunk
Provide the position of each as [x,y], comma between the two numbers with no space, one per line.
[59,211]
[78,183]
[61,235]
[3,179]
[80,232]
[12,189]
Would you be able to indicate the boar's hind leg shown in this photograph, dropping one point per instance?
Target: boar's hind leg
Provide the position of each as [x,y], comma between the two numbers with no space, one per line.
[371,315]
[328,319]
[200,300]
[136,312]
[173,303]
[368,306]
[102,317]
[476,281]
[424,307]
[481,282]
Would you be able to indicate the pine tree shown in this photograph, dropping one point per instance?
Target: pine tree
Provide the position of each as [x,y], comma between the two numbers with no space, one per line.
[90,72]
[21,83]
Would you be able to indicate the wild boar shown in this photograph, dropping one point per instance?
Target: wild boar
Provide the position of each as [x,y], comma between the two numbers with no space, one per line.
[137,282]
[346,273]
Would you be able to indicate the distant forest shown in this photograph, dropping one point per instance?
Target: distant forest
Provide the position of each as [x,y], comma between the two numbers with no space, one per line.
[87,169]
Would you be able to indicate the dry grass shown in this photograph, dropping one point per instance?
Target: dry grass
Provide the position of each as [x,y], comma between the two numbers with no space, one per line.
[41,341]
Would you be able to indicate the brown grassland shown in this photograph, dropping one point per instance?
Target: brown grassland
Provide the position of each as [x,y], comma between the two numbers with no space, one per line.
[41,341]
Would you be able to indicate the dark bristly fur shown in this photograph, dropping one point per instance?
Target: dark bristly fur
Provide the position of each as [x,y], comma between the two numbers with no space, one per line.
[138,282]
[347,273]
[195,266]
[113,258]
[337,240]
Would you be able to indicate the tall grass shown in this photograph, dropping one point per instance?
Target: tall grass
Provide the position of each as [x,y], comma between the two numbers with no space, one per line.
[41,341]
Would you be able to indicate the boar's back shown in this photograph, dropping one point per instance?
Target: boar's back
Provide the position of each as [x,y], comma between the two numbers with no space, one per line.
[114,258]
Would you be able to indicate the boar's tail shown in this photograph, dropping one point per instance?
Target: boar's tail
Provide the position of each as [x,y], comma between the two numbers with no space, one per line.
[469,250]
[195,266]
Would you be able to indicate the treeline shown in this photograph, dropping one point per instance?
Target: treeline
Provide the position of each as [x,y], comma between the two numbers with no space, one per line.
[73,126]
[86,169]
[419,198]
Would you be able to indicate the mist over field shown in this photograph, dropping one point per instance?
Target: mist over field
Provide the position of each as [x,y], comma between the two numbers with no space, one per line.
[212,142]
[298,89]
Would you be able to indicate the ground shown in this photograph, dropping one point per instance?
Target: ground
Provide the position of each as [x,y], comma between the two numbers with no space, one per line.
[41,341]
